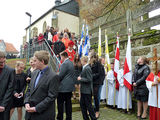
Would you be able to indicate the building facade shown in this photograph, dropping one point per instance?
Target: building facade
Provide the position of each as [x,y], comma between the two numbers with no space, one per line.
[63,15]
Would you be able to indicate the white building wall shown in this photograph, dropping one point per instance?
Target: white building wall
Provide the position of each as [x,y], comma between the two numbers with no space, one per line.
[64,21]
[68,21]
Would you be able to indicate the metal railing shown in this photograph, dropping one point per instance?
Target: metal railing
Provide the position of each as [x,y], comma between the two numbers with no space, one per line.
[44,45]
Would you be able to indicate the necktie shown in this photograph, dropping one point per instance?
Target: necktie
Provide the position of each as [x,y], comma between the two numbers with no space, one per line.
[37,79]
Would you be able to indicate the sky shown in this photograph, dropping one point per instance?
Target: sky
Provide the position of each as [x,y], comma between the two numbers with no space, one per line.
[13,19]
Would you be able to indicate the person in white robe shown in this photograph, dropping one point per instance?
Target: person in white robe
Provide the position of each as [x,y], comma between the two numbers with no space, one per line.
[103,91]
[152,81]
[123,91]
[111,86]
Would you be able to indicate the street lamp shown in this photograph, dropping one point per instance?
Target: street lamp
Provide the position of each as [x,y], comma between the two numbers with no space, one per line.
[29,35]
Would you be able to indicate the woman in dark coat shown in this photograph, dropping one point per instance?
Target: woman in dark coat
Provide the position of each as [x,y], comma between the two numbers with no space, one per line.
[139,82]
[78,69]
[19,87]
[96,72]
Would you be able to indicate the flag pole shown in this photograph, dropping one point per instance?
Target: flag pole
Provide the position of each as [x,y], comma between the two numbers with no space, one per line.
[106,43]
[99,43]
[129,33]
[114,104]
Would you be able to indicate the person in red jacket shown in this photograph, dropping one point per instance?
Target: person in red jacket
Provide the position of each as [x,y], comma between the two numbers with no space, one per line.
[70,51]
[66,40]
[40,38]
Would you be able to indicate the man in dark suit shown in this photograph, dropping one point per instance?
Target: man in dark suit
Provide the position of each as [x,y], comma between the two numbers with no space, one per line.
[66,74]
[42,91]
[6,87]
[86,88]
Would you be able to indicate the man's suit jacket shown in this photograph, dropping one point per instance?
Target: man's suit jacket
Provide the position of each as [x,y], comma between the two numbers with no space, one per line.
[86,80]
[42,96]
[66,74]
[6,86]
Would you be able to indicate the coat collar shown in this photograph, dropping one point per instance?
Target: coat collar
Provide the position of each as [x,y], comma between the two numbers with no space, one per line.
[41,80]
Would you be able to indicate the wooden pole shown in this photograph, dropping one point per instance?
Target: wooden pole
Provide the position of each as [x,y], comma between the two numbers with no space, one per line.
[128,100]
[156,73]
[129,33]
[114,104]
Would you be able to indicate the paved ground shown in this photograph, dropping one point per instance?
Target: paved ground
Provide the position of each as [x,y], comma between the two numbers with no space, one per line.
[106,114]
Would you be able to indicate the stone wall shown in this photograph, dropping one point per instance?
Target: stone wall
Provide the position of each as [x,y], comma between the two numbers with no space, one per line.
[142,45]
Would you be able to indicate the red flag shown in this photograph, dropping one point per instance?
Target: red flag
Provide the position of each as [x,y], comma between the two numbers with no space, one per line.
[128,66]
[116,63]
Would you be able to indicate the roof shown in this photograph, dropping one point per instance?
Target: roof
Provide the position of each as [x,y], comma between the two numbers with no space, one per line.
[10,48]
[68,6]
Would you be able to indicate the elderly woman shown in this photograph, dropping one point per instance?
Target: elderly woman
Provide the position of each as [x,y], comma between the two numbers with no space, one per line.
[140,89]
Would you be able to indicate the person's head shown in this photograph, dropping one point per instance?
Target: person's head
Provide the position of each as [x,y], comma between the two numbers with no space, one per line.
[76,57]
[32,62]
[41,59]
[83,42]
[84,60]
[65,35]
[102,60]
[60,37]
[19,67]
[112,65]
[47,29]
[122,64]
[70,45]
[93,58]
[2,59]
[66,30]
[72,35]
[142,60]
[64,55]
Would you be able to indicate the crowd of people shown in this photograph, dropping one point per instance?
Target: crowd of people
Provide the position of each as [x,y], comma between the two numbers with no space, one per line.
[39,88]
[57,40]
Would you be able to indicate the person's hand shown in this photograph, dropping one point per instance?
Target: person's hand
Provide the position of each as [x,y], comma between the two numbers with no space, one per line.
[2,109]
[155,83]
[69,57]
[16,95]
[31,110]
[27,107]
[134,84]
[21,94]
[157,79]
[28,79]
[79,78]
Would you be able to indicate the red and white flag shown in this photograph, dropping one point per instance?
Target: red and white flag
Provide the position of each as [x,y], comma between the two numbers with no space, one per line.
[116,63]
[128,66]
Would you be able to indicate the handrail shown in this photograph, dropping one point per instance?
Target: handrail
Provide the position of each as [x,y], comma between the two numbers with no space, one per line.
[52,51]
[44,45]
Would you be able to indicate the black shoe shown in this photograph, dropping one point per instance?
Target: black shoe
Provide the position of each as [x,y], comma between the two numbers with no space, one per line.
[143,118]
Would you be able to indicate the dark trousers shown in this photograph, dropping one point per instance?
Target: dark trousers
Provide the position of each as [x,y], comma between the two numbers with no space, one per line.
[96,97]
[64,98]
[5,115]
[86,104]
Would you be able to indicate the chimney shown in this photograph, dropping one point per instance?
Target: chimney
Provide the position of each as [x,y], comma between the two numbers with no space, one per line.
[57,2]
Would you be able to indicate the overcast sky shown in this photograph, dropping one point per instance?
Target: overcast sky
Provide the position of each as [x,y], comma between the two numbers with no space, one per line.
[13,19]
